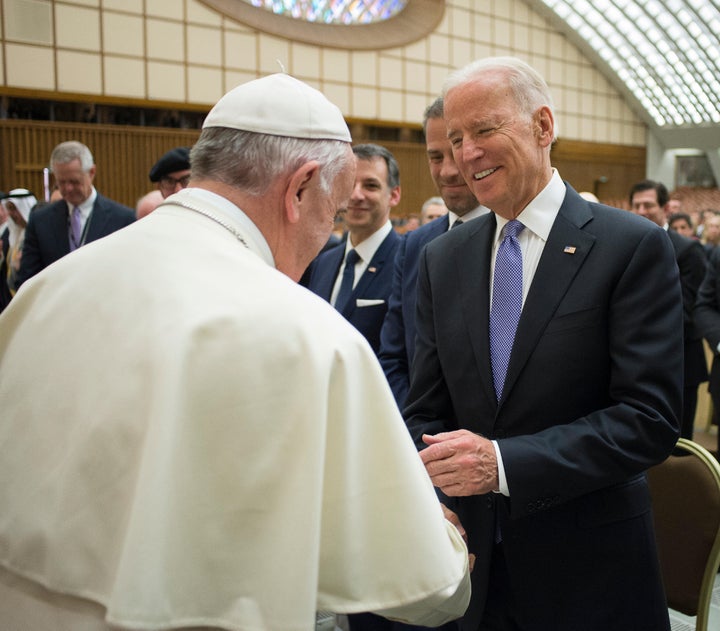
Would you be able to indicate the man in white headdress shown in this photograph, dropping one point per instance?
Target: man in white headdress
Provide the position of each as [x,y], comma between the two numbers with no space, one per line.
[17,204]
[233,458]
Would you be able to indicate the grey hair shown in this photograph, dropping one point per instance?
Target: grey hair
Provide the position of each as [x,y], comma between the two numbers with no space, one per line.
[433,201]
[251,161]
[72,150]
[527,85]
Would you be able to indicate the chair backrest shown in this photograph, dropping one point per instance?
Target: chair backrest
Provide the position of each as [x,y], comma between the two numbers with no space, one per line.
[685,493]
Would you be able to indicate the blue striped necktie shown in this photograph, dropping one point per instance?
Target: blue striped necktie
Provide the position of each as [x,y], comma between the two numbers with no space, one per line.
[506,306]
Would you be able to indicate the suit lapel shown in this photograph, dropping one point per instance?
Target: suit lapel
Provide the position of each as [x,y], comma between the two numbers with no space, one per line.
[473,270]
[97,220]
[60,228]
[565,252]
[328,273]
[372,272]
[441,225]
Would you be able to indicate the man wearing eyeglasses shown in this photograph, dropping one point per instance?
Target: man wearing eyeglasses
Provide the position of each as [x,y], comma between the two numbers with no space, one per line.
[171,172]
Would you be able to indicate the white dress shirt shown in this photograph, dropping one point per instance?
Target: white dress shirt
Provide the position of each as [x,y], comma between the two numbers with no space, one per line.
[85,211]
[538,218]
[366,250]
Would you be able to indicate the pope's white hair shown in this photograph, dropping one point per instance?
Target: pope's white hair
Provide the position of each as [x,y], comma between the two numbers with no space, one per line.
[251,161]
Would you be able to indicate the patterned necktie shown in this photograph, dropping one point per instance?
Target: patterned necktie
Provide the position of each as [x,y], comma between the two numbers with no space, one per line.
[348,280]
[75,229]
[506,302]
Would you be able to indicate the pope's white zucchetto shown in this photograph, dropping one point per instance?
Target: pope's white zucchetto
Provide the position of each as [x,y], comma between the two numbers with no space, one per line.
[280,105]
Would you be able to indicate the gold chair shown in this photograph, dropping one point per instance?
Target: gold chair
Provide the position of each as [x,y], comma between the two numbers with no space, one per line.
[685,492]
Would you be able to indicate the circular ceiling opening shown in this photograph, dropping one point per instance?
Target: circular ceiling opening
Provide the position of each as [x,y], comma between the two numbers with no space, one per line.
[357,25]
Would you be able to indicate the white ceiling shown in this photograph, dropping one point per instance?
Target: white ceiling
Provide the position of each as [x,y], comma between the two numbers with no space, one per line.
[663,55]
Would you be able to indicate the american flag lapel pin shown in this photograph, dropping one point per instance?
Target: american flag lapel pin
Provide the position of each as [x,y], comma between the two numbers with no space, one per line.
[569,249]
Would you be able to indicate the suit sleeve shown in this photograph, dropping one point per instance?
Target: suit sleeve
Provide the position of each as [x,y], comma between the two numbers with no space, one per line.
[692,263]
[707,307]
[379,507]
[638,426]
[393,352]
[428,396]
[598,397]
[31,261]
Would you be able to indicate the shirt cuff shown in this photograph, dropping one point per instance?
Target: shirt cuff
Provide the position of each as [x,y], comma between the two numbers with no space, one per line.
[502,480]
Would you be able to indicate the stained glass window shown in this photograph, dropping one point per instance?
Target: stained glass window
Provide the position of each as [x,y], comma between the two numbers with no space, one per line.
[334,11]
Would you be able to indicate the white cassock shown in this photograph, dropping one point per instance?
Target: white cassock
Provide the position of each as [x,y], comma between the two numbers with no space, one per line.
[189,438]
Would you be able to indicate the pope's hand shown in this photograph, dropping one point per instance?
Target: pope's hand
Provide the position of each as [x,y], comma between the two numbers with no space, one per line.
[455,521]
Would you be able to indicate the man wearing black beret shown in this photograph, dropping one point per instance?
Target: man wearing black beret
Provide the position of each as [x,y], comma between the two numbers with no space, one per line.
[172,171]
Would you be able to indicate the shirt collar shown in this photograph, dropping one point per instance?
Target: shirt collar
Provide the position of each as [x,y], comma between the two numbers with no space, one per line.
[479,211]
[87,206]
[367,248]
[539,215]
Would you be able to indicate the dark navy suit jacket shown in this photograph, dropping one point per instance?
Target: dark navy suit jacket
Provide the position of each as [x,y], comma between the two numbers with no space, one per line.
[692,263]
[397,336]
[374,284]
[707,319]
[5,295]
[591,400]
[46,235]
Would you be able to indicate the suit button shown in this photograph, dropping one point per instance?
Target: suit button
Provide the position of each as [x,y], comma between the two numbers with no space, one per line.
[490,501]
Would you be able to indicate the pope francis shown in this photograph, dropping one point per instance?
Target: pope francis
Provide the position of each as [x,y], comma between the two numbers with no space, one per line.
[189,439]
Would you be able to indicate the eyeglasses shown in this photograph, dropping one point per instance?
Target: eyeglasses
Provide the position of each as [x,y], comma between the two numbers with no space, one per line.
[170,183]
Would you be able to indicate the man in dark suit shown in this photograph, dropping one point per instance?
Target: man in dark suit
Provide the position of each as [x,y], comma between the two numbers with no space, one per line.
[650,199]
[397,336]
[707,322]
[370,246]
[81,216]
[541,431]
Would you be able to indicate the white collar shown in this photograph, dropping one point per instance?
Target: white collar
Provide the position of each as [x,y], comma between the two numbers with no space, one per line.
[539,215]
[366,249]
[86,206]
[253,237]
[476,212]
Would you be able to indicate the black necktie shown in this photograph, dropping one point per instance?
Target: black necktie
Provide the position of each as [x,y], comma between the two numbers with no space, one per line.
[348,280]
[458,222]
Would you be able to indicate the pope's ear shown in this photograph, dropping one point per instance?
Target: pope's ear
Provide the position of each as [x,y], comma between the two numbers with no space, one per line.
[301,181]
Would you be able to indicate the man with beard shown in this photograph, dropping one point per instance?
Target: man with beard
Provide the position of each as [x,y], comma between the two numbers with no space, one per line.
[397,338]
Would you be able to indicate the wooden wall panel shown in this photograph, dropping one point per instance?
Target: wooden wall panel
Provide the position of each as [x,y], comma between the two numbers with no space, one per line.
[125,154]
[608,171]
[415,182]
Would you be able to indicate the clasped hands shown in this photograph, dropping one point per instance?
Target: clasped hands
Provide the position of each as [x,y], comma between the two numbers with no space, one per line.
[460,463]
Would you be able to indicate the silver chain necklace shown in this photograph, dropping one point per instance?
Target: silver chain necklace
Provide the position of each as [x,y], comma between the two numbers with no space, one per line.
[202,211]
